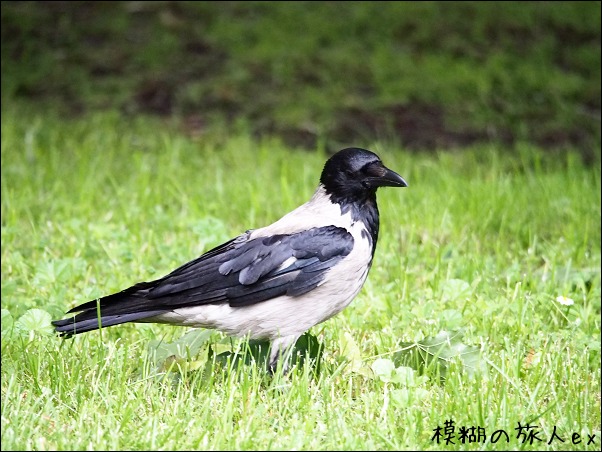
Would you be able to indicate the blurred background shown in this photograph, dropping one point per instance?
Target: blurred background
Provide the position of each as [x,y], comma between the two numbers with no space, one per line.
[426,75]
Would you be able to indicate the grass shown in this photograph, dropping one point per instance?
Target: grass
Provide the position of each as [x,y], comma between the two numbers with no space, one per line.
[431,74]
[478,247]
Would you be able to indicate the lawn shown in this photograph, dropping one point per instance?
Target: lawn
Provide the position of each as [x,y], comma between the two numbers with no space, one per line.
[481,312]
[429,74]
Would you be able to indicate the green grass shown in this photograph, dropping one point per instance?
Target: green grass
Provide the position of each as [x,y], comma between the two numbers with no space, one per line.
[427,73]
[479,244]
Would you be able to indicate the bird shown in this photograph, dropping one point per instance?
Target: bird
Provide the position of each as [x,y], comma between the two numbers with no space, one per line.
[271,283]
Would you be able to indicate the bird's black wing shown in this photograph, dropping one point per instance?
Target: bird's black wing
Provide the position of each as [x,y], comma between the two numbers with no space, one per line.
[240,272]
[245,272]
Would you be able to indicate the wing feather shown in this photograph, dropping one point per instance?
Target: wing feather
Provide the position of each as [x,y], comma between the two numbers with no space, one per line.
[240,272]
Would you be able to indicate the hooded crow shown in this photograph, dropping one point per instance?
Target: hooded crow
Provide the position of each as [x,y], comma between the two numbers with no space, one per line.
[272,283]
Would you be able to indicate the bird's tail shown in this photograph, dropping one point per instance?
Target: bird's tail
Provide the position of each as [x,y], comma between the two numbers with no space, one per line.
[92,320]
[129,305]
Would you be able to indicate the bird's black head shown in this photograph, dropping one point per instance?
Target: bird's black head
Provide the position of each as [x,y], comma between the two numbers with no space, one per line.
[354,174]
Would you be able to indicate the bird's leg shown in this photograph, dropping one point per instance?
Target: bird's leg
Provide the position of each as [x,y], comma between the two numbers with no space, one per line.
[281,350]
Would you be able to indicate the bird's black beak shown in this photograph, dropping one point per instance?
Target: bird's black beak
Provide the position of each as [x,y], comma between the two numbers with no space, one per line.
[381,176]
[392,179]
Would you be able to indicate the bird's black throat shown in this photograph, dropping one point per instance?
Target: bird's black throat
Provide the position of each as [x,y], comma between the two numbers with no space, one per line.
[364,209]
